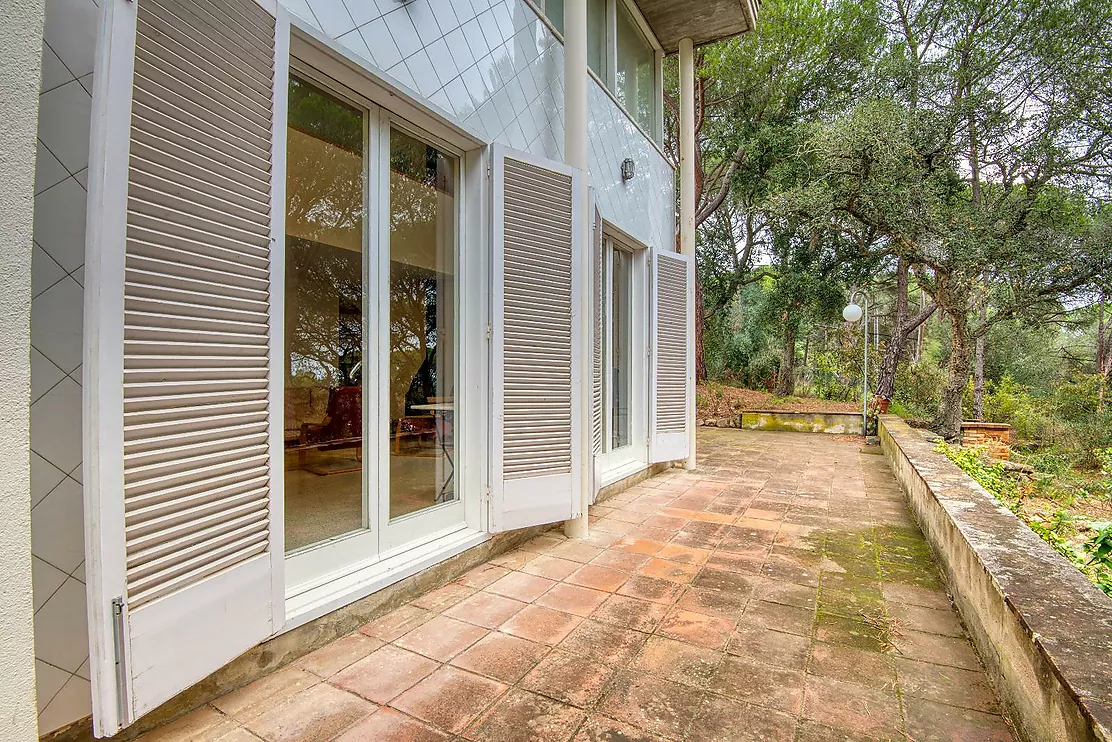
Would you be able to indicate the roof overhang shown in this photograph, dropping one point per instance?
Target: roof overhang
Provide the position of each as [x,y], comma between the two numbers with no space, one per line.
[703,21]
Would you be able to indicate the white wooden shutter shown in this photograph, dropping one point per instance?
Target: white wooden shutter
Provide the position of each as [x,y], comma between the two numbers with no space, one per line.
[182,397]
[538,364]
[597,314]
[672,311]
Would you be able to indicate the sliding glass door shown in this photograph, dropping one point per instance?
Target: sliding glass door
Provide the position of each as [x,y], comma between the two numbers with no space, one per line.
[371,356]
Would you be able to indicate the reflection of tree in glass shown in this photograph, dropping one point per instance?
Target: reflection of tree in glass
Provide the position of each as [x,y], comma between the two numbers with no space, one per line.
[324,313]
[422,186]
[324,243]
[324,167]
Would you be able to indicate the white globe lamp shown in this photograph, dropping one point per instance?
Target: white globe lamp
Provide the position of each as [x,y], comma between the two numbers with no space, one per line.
[852,312]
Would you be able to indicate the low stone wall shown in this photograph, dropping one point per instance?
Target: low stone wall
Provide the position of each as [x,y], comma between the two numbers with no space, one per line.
[1042,629]
[844,423]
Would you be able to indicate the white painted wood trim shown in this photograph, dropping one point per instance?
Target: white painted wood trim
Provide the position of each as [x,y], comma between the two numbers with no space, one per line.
[103,341]
[278,316]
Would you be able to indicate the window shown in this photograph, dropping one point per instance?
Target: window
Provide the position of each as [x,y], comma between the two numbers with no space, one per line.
[422,324]
[325,166]
[621,347]
[619,53]
[554,11]
[635,77]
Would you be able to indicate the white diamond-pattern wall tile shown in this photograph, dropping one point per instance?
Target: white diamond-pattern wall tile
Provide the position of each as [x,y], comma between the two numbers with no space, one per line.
[493,66]
[57,543]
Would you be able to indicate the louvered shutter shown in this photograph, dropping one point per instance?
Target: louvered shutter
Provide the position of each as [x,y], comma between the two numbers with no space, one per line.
[538,364]
[596,352]
[672,309]
[183,517]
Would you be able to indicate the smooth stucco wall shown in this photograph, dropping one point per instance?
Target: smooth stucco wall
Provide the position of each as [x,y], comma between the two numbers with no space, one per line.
[20,66]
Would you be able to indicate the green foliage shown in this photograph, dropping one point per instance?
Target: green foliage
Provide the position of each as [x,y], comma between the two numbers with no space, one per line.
[1060,529]
[918,386]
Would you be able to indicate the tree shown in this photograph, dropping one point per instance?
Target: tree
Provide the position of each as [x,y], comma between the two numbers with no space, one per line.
[805,59]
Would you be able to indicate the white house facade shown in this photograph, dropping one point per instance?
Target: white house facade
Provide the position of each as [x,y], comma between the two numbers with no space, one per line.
[326,292]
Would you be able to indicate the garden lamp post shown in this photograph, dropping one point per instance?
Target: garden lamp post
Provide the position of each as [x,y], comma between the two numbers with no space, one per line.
[851,314]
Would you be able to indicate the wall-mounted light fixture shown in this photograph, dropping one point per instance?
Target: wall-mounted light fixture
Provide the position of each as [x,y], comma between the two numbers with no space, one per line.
[629,169]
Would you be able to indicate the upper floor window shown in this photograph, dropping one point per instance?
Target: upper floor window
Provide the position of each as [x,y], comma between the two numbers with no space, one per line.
[620,54]
[635,77]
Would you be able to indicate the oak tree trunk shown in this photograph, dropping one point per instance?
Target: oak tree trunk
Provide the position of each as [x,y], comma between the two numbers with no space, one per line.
[700,355]
[948,421]
[785,379]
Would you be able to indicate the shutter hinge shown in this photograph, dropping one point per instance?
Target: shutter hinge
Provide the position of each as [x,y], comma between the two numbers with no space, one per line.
[121,669]
[490,331]
[486,495]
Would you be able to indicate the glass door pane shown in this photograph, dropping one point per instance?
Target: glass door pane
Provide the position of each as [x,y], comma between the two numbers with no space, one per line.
[325,179]
[422,325]
[621,347]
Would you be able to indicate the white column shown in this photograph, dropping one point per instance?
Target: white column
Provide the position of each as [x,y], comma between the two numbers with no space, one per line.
[575,155]
[687,209]
[20,65]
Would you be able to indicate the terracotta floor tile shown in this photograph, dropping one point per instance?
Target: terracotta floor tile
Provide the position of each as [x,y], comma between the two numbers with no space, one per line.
[521,586]
[725,581]
[897,593]
[313,715]
[668,570]
[551,567]
[335,656]
[812,731]
[853,708]
[611,644]
[760,685]
[598,578]
[787,593]
[601,729]
[949,685]
[941,650]
[396,622]
[481,576]
[779,617]
[770,647]
[441,638]
[615,527]
[651,588]
[444,597]
[515,559]
[874,669]
[631,613]
[927,620]
[932,722]
[388,724]
[544,543]
[697,628]
[665,522]
[200,725]
[251,700]
[741,563]
[657,705]
[635,545]
[713,603]
[727,720]
[576,551]
[581,601]
[624,561]
[485,609]
[501,656]
[384,673]
[520,716]
[450,698]
[684,554]
[540,624]
[678,661]
[570,677]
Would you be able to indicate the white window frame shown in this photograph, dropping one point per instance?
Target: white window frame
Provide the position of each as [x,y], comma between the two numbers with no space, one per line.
[618,463]
[360,567]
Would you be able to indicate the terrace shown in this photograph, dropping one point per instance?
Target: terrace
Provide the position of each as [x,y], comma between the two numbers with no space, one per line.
[782,591]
